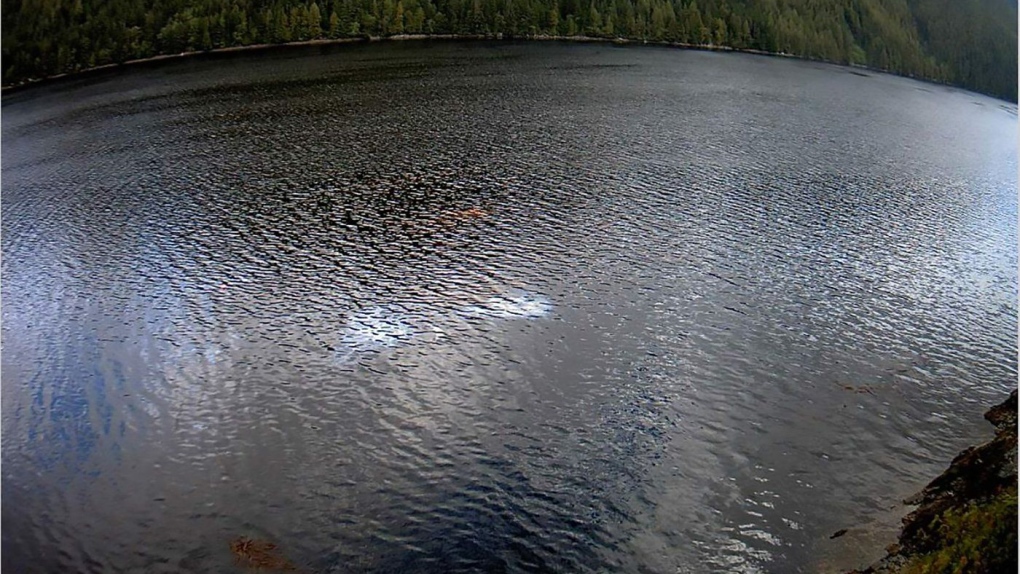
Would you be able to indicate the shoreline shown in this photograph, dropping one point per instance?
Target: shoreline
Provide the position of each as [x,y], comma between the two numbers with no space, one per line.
[965,515]
[31,82]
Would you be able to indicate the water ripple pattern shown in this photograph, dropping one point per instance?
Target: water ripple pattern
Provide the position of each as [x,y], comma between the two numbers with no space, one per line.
[492,307]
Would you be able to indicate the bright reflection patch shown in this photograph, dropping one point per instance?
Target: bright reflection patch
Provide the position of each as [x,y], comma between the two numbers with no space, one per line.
[385,326]
[375,327]
[524,305]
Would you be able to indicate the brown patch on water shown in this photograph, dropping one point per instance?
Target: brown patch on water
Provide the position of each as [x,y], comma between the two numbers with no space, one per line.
[472,213]
[463,215]
[447,220]
[259,555]
[861,389]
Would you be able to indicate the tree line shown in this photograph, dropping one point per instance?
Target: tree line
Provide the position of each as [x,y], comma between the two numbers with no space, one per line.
[970,43]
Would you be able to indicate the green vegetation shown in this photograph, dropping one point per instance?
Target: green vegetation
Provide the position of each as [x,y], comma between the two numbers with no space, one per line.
[971,43]
[978,538]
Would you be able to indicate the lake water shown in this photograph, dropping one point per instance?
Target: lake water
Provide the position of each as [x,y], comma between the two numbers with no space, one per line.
[465,307]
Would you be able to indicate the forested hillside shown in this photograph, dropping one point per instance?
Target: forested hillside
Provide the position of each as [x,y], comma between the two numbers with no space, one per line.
[970,43]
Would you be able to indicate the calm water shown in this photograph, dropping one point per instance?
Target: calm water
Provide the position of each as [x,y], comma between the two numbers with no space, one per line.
[493,307]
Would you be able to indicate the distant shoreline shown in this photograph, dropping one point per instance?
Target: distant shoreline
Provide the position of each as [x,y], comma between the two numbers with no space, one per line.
[11,88]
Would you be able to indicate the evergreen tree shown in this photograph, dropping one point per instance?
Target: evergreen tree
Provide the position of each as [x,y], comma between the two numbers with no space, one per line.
[398,18]
[334,25]
[314,21]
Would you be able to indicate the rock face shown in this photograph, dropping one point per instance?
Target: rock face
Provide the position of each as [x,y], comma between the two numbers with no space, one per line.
[979,478]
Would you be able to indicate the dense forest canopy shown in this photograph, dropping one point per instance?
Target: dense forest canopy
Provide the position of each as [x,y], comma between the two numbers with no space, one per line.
[970,43]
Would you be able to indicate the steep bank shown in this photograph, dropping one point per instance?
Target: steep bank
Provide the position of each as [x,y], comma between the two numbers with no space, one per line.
[966,520]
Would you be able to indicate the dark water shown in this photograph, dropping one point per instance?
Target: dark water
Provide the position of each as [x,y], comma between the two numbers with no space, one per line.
[493,307]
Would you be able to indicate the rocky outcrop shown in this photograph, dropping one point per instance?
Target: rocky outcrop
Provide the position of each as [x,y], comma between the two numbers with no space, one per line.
[966,517]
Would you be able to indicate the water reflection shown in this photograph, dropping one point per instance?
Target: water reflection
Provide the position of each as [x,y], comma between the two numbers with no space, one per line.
[388,325]
[469,307]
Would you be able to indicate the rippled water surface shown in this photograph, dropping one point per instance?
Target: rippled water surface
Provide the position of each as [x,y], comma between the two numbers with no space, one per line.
[493,307]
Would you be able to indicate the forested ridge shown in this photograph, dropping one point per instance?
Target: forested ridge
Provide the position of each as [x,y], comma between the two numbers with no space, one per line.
[969,43]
